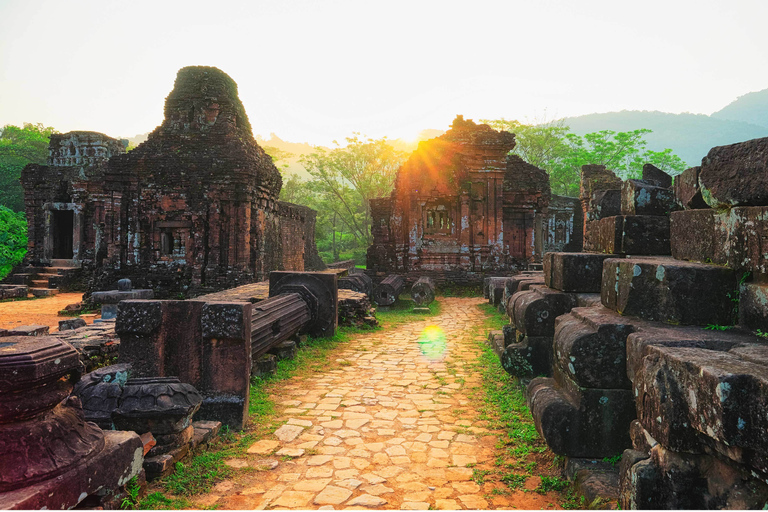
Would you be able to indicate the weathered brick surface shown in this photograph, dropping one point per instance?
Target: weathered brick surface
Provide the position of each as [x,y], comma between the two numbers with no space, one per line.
[193,208]
[461,203]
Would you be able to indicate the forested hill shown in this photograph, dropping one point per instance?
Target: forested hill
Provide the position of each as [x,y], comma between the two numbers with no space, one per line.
[689,135]
[751,108]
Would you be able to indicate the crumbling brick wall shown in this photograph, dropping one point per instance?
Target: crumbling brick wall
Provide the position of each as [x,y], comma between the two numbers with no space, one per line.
[194,208]
[461,203]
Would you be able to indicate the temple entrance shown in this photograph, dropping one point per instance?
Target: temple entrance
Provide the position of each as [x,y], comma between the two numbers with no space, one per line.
[62,227]
[517,233]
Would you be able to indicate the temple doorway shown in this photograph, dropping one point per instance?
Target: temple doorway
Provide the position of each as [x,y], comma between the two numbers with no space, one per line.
[63,224]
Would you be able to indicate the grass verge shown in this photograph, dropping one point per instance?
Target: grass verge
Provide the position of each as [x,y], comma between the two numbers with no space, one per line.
[522,454]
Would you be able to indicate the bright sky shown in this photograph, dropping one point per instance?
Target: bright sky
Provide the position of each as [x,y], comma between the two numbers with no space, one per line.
[314,71]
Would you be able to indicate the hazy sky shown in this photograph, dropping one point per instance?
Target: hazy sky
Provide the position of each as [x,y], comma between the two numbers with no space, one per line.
[317,70]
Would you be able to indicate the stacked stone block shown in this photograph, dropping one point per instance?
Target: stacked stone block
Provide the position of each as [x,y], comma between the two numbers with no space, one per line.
[657,370]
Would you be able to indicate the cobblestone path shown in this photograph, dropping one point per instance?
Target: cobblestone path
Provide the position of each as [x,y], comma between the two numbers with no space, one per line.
[393,428]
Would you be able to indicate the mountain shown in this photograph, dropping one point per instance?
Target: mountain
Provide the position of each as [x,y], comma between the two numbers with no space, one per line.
[690,136]
[751,108]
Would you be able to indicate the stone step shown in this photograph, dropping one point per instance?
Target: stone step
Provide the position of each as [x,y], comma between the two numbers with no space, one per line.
[39,283]
[63,263]
[44,292]
[670,291]
[629,234]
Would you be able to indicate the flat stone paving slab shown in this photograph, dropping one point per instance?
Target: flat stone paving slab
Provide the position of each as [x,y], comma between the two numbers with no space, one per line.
[393,427]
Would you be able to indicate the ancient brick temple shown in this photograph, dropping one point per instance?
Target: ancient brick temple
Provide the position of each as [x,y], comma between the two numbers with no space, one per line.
[462,203]
[195,207]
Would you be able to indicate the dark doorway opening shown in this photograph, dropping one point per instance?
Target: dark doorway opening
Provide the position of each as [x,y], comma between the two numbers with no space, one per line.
[63,231]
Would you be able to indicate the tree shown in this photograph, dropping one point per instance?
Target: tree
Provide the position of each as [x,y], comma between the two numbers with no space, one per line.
[13,239]
[551,147]
[346,178]
[19,147]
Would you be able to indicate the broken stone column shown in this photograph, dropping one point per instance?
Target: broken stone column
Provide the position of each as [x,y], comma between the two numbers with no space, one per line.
[423,291]
[51,458]
[358,282]
[299,303]
[389,290]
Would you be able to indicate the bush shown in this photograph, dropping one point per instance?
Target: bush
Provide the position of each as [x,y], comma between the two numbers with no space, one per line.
[13,239]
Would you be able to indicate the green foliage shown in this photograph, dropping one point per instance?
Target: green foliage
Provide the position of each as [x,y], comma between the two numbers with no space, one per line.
[714,327]
[613,460]
[19,147]
[552,483]
[551,146]
[13,239]
[132,498]
[342,181]
[159,501]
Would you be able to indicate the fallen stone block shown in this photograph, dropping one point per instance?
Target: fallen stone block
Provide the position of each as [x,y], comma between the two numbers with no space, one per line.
[664,479]
[574,271]
[689,397]
[736,175]
[590,347]
[692,236]
[496,342]
[534,311]
[531,357]
[639,197]
[604,203]
[753,306]
[71,324]
[630,234]
[656,177]
[660,289]
[581,422]
[687,189]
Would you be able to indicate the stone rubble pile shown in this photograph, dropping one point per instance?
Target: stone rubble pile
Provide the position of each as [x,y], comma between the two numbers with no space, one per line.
[648,346]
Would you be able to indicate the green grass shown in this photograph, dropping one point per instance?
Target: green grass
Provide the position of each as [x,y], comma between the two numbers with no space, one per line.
[402,312]
[552,483]
[495,319]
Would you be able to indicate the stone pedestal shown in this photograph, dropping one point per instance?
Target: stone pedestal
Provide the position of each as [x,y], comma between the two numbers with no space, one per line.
[51,457]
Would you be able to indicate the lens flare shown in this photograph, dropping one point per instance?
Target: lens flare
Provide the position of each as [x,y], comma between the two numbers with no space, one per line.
[432,342]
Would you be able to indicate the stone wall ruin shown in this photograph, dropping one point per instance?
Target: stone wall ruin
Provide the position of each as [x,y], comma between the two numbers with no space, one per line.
[646,345]
[462,204]
[194,208]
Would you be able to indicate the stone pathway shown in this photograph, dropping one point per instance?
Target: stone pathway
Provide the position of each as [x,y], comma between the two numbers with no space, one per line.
[392,429]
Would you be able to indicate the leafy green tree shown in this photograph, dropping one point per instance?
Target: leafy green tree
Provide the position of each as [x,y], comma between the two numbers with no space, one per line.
[13,239]
[551,147]
[342,182]
[19,147]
